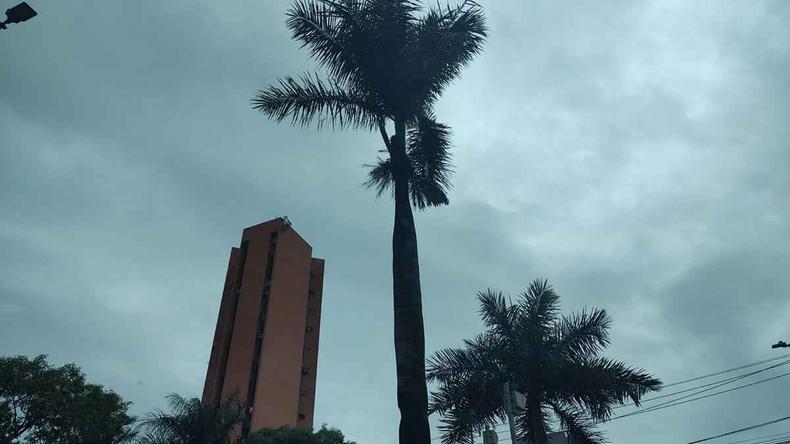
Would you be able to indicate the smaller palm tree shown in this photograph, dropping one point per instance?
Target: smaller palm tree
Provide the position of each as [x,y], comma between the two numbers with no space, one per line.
[192,422]
[551,361]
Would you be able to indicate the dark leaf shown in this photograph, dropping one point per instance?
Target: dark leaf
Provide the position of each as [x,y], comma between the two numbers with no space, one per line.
[311,100]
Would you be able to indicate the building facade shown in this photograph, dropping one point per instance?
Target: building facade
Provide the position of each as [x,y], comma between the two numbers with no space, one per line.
[265,349]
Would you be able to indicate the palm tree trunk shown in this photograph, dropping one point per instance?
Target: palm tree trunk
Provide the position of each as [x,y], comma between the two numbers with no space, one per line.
[536,419]
[407,302]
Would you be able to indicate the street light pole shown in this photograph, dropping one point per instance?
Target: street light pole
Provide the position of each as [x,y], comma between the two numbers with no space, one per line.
[509,410]
[18,14]
[781,344]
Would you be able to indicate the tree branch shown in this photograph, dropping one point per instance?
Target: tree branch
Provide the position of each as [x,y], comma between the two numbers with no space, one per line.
[383,131]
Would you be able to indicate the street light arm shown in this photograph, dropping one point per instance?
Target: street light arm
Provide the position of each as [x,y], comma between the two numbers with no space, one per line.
[781,344]
[18,14]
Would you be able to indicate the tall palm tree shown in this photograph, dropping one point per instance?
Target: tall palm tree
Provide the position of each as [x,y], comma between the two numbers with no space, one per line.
[553,361]
[192,422]
[386,62]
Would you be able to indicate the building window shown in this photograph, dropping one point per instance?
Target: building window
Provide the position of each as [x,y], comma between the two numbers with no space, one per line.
[302,416]
[303,393]
[308,329]
[305,371]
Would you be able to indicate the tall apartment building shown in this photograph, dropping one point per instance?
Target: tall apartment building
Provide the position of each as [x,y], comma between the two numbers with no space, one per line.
[265,349]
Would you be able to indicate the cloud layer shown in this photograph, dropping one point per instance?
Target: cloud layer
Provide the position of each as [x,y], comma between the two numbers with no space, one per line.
[634,153]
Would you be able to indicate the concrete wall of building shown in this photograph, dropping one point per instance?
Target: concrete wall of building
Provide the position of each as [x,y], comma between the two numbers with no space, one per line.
[307,384]
[277,391]
[276,320]
[222,333]
[237,375]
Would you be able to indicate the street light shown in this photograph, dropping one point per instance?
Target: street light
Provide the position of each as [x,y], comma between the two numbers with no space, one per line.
[18,14]
[781,344]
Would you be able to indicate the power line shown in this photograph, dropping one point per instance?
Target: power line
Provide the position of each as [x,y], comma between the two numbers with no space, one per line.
[756,426]
[713,387]
[716,384]
[707,387]
[765,361]
[652,409]
[773,440]
[761,439]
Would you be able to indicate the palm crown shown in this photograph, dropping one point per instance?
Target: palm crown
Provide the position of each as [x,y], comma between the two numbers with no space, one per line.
[386,62]
[383,62]
[192,422]
[552,360]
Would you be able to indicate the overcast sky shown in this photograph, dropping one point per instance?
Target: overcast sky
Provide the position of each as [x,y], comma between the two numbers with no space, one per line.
[635,153]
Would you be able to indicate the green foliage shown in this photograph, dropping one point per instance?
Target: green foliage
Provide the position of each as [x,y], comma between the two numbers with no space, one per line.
[552,360]
[290,435]
[383,60]
[44,404]
[192,422]
[386,62]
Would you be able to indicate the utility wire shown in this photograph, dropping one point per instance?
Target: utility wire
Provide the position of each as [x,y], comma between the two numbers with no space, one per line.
[713,387]
[756,426]
[773,440]
[652,409]
[773,437]
[765,361]
[714,383]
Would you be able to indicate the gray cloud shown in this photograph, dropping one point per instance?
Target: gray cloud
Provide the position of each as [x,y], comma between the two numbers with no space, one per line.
[633,153]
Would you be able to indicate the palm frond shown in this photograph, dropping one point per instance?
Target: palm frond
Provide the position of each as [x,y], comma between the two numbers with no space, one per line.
[479,355]
[580,429]
[469,396]
[446,40]
[380,176]
[429,165]
[318,26]
[467,404]
[372,37]
[596,384]
[429,152]
[526,420]
[182,405]
[311,99]
[583,333]
[540,306]
[341,36]
[553,362]
[191,421]
[497,315]
[154,437]
[456,427]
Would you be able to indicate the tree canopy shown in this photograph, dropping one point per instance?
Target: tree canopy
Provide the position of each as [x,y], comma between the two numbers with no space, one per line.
[382,60]
[552,361]
[290,435]
[386,62]
[189,421]
[40,403]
